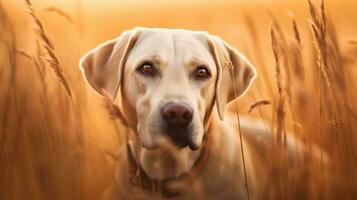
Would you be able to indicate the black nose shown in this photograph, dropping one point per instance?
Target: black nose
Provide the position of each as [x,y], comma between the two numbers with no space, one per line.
[177,115]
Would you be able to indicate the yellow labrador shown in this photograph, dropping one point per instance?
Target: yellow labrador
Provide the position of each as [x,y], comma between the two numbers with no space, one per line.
[173,87]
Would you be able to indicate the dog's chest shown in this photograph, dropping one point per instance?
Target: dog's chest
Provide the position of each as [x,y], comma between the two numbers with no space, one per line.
[219,180]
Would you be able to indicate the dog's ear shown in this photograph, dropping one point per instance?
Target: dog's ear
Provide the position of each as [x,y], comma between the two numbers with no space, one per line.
[234,73]
[102,67]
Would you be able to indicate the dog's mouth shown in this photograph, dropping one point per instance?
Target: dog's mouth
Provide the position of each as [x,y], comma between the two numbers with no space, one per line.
[181,138]
[177,138]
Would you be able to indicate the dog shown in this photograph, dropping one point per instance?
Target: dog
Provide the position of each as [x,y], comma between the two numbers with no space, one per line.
[172,87]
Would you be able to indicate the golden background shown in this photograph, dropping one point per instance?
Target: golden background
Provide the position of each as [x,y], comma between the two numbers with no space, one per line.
[56,146]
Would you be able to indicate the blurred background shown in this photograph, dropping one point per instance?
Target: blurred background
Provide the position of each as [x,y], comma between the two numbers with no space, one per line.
[58,141]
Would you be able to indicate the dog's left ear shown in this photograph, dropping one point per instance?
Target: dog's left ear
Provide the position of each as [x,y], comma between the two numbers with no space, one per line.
[234,73]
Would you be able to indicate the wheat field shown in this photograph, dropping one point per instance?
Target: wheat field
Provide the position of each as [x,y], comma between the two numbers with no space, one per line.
[59,141]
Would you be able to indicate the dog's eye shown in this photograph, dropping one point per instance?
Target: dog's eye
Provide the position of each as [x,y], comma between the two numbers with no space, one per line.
[202,72]
[147,68]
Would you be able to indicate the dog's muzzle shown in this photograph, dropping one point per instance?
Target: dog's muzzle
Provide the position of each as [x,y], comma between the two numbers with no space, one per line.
[177,119]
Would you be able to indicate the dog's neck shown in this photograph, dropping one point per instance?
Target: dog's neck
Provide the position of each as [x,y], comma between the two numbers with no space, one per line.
[166,186]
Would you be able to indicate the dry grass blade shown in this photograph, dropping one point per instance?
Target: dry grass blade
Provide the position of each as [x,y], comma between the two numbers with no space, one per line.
[296,59]
[280,110]
[318,30]
[296,32]
[240,136]
[35,62]
[114,110]
[258,103]
[49,56]
[60,13]
[278,31]
[318,26]
[323,13]
[52,150]
[23,53]
[314,14]
[275,47]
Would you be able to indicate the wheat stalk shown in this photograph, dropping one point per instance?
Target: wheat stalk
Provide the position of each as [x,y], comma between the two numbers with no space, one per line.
[49,56]
[318,27]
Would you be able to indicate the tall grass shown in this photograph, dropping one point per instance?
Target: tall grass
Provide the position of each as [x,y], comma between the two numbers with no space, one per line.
[56,142]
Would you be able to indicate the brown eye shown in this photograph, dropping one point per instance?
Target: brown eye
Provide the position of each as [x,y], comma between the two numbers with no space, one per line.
[147,69]
[202,73]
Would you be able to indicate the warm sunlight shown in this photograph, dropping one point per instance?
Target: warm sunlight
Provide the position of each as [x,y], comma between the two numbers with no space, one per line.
[109,99]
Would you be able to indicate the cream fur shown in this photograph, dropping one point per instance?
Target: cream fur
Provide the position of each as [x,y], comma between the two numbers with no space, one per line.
[175,54]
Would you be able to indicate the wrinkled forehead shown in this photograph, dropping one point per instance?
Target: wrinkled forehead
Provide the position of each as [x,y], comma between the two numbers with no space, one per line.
[167,45]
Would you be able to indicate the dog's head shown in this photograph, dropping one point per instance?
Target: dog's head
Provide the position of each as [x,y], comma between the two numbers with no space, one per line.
[169,83]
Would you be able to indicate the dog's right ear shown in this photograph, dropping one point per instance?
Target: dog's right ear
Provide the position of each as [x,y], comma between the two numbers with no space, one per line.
[102,67]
